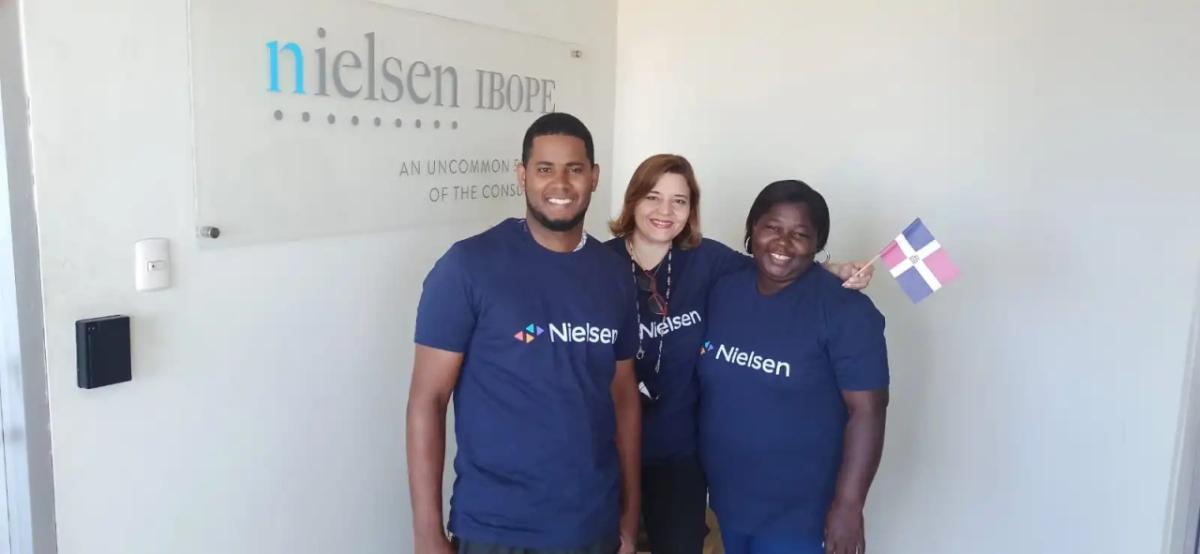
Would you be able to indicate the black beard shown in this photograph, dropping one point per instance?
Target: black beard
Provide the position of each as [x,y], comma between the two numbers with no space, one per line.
[557,226]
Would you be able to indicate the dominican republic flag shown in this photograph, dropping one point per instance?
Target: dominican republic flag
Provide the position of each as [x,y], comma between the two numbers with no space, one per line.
[918,262]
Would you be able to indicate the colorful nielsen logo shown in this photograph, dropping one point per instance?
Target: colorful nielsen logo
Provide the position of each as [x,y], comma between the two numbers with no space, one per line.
[529,333]
[706,348]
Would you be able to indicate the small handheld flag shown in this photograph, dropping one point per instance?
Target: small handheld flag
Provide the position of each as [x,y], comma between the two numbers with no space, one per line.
[918,262]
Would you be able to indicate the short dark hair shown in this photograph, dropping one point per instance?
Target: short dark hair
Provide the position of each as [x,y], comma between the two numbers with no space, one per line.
[790,191]
[558,123]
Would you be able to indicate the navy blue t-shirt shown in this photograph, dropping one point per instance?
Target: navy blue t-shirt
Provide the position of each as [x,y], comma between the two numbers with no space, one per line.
[772,417]
[541,332]
[669,425]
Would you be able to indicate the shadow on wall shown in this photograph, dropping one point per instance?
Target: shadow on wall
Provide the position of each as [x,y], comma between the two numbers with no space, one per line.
[1183,532]
[1193,368]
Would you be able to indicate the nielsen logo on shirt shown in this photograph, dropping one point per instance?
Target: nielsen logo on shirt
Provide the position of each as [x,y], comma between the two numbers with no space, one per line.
[735,355]
[569,332]
[661,328]
[531,331]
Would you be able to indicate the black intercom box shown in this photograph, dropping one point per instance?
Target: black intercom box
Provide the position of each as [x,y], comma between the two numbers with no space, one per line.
[102,351]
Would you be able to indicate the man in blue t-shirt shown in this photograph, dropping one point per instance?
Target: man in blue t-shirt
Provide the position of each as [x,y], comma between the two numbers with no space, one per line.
[531,327]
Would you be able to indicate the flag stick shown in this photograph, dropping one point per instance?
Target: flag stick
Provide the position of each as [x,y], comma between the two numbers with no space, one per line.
[868,264]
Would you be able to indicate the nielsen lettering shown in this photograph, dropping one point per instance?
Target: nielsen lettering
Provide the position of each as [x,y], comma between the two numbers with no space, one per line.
[566,332]
[734,355]
[390,81]
[661,328]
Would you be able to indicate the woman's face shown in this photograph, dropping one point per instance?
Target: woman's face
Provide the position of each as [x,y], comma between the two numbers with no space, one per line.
[784,241]
[661,215]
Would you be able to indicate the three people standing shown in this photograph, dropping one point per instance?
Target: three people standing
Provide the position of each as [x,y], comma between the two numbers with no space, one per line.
[596,403]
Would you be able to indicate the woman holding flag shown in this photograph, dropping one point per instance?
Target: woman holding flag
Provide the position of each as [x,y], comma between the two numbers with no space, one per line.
[794,388]
[674,268]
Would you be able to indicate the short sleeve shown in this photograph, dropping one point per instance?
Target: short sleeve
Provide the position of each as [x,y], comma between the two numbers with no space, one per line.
[626,346]
[446,313]
[727,260]
[856,344]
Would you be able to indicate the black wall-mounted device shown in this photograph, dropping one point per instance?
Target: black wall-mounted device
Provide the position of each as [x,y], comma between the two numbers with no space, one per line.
[102,351]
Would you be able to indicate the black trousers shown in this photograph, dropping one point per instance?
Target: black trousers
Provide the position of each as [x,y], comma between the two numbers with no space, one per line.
[674,499]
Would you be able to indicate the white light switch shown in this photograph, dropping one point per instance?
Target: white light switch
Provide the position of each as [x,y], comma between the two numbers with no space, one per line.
[151,264]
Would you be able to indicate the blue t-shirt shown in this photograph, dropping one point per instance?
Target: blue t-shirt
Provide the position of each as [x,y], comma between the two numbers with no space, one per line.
[541,332]
[669,425]
[772,417]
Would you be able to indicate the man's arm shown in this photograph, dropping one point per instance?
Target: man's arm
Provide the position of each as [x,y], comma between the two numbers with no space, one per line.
[435,374]
[629,446]
[862,449]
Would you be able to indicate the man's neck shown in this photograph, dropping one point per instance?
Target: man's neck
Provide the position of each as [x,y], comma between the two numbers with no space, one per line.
[647,253]
[555,241]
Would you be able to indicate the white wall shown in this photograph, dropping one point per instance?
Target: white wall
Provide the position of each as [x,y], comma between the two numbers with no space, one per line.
[1051,146]
[266,410]
[24,408]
